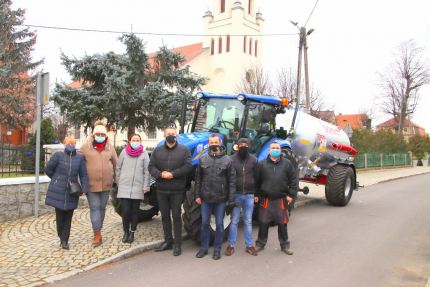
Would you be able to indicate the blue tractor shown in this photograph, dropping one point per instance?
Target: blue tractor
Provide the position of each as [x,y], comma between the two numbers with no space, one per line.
[320,150]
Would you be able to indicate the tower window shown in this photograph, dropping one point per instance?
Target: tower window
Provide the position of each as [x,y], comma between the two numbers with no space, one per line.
[256,48]
[227,46]
[250,46]
[219,45]
[249,6]
[222,6]
[244,44]
[212,46]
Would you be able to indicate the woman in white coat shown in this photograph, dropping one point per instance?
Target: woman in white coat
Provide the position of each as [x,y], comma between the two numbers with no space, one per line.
[132,177]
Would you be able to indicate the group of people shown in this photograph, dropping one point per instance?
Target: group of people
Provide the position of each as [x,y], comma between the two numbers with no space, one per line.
[235,183]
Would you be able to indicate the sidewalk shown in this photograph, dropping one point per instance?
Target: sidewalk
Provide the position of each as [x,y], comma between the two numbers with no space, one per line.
[30,253]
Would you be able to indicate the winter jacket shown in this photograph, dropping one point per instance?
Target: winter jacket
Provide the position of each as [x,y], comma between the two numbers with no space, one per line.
[277,179]
[100,165]
[246,173]
[176,160]
[132,175]
[58,169]
[215,179]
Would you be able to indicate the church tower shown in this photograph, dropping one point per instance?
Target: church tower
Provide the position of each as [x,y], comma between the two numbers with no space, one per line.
[234,43]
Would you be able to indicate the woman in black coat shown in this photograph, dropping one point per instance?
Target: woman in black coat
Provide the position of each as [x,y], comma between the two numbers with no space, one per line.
[62,167]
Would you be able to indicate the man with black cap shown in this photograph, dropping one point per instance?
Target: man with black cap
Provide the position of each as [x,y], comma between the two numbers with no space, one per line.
[245,165]
[170,164]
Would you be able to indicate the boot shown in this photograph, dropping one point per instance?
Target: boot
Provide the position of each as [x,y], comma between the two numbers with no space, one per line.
[125,236]
[97,240]
[130,238]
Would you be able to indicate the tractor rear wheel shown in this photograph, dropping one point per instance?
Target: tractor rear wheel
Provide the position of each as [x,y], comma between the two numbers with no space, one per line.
[340,185]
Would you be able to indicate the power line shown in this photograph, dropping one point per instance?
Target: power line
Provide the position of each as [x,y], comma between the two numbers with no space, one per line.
[316,3]
[157,34]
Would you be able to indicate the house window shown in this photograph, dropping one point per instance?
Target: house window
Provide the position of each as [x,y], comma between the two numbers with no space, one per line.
[212,46]
[227,46]
[244,44]
[222,6]
[249,6]
[256,48]
[250,46]
[219,45]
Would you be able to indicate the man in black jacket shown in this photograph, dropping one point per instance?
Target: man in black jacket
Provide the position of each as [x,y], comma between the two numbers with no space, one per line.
[245,165]
[215,185]
[277,188]
[170,164]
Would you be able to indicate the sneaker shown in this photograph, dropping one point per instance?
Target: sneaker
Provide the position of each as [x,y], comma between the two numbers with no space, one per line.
[217,255]
[202,253]
[251,250]
[287,251]
[229,251]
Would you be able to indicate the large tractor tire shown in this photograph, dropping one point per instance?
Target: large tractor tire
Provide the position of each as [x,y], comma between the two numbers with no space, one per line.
[148,208]
[340,185]
[192,219]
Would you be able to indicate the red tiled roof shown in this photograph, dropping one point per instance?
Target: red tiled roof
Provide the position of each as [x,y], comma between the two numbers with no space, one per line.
[189,52]
[74,84]
[355,121]
[394,123]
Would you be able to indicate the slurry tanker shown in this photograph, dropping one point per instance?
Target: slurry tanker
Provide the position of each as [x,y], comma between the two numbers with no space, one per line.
[321,151]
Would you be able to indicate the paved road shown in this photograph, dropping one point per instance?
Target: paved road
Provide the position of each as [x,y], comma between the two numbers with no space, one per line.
[382,238]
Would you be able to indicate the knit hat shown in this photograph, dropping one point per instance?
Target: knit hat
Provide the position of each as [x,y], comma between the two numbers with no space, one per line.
[243,141]
[99,128]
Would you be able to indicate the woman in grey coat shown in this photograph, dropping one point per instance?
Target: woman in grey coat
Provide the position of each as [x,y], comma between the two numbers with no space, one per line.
[132,177]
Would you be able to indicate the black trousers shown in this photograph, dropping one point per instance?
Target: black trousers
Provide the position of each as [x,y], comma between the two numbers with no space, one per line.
[64,223]
[273,211]
[130,213]
[170,205]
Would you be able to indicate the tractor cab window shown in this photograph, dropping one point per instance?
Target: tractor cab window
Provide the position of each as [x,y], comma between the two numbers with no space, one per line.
[222,116]
[260,125]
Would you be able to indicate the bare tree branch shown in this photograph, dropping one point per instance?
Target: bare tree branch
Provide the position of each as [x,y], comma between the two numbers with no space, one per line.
[401,85]
[256,81]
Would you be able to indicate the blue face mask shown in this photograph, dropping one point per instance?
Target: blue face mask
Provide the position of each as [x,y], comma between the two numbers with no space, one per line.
[135,145]
[275,153]
[100,139]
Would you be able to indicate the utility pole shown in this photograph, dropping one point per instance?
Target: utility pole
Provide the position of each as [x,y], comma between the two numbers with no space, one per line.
[303,46]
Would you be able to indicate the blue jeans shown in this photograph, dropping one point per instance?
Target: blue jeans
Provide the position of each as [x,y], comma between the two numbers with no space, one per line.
[207,209]
[97,202]
[244,202]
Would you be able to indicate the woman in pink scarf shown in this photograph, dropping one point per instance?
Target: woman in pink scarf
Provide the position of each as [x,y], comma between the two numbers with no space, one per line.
[132,177]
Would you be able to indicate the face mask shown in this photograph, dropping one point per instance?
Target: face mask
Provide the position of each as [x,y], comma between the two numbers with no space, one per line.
[99,139]
[70,147]
[214,148]
[243,151]
[135,145]
[275,153]
[171,139]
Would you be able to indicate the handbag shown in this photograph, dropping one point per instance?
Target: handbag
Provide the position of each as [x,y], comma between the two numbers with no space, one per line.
[73,188]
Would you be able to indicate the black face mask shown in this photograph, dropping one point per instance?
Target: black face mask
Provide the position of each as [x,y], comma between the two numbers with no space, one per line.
[243,151]
[214,148]
[171,139]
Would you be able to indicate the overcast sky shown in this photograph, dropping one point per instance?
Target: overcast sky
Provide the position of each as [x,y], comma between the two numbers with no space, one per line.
[353,41]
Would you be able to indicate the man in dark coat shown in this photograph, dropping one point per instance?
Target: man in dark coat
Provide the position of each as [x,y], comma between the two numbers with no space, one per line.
[277,186]
[170,164]
[215,185]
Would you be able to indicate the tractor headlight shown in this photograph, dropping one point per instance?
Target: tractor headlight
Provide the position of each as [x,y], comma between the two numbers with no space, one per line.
[241,98]
[199,96]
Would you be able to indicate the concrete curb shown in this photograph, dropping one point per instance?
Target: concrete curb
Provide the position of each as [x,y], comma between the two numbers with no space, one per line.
[117,257]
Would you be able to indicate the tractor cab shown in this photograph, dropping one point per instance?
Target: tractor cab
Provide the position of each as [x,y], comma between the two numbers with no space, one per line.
[233,117]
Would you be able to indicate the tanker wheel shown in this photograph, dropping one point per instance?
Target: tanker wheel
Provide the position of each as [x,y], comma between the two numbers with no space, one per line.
[340,185]
[192,219]
[148,209]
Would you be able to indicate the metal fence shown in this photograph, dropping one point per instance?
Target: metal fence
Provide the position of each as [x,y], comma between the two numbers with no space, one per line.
[374,160]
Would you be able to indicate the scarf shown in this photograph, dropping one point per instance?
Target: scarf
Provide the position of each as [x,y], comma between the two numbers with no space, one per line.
[100,146]
[134,152]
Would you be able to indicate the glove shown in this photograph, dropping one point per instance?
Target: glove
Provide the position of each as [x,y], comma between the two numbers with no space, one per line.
[229,206]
